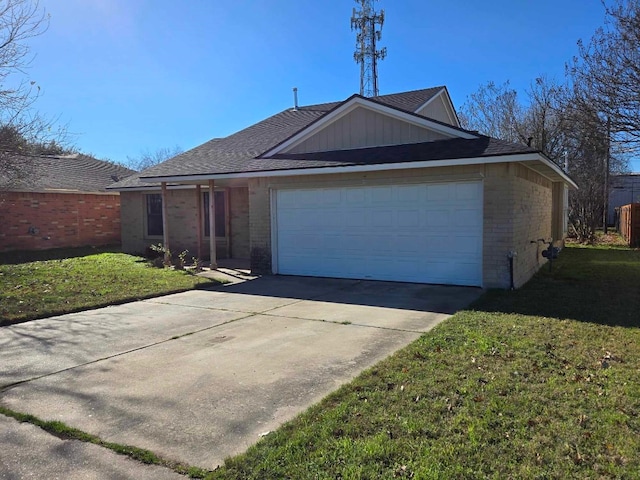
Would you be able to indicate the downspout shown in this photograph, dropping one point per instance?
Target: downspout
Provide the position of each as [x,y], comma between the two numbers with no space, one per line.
[511,255]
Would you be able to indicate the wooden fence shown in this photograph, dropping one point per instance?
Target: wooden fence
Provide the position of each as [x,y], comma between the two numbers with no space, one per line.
[630,223]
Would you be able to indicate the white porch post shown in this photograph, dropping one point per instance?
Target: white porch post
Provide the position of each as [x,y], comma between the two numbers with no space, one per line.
[165,223]
[212,226]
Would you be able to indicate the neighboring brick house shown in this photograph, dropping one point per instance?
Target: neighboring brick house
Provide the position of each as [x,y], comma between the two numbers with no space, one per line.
[386,188]
[62,201]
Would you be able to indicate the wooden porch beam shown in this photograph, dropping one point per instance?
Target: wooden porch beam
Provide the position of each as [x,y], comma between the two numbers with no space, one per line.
[165,224]
[212,226]
[199,209]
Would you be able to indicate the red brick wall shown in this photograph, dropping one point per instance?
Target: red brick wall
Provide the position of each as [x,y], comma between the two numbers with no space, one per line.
[37,221]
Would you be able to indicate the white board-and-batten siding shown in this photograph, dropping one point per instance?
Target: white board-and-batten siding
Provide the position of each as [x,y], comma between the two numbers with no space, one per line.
[363,128]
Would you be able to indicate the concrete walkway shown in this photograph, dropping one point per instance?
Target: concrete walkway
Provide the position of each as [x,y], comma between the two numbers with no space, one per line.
[201,375]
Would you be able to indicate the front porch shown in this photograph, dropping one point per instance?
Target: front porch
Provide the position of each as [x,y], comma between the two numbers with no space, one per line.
[177,216]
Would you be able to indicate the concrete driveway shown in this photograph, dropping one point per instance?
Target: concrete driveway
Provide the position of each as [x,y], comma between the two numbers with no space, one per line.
[201,375]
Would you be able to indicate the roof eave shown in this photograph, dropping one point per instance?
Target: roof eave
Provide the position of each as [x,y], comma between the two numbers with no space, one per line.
[545,167]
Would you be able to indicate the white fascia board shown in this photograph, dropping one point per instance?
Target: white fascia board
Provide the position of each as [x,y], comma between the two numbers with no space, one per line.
[351,105]
[151,187]
[556,168]
[523,157]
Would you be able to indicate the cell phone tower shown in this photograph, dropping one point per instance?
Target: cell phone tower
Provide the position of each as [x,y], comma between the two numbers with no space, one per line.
[364,21]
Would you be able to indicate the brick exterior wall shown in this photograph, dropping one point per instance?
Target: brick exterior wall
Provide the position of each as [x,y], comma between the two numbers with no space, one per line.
[517,203]
[182,215]
[239,222]
[183,226]
[517,209]
[497,226]
[38,221]
[532,216]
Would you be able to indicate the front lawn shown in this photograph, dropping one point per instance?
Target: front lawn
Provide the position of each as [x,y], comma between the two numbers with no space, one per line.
[538,383]
[75,281]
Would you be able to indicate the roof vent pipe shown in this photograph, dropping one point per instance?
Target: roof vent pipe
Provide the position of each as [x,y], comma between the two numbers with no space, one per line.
[295,99]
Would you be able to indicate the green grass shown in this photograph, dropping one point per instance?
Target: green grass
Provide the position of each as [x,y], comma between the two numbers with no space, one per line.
[77,280]
[540,383]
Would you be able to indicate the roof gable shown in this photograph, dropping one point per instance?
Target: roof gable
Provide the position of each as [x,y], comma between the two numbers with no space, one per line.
[361,126]
[372,133]
[440,107]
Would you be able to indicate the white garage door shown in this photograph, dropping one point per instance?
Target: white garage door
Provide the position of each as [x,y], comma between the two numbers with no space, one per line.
[426,233]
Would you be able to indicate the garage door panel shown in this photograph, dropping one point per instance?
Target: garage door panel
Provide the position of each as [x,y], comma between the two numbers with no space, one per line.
[358,217]
[383,218]
[355,196]
[438,193]
[381,196]
[466,217]
[409,218]
[380,245]
[437,218]
[394,269]
[430,233]
[331,197]
[468,191]
[463,245]
[412,245]
[355,244]
[409,194]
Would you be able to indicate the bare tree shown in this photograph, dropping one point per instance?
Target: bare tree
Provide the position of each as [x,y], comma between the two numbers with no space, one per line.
[148,158]
[562,124]
[20,20]
[586,143]
[493,110]
[607,71]
[22,131]
[497,111]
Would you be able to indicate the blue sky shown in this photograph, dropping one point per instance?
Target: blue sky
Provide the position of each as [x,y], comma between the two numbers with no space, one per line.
[134,75]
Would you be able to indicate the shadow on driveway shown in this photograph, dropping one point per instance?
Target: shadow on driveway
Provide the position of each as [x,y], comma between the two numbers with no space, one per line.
[444,299]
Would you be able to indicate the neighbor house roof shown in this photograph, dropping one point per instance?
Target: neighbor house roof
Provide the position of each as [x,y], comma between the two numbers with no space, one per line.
[64,173]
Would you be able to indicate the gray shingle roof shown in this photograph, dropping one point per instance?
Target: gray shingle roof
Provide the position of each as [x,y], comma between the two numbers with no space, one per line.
[452,149]
[426,151]
[70,173]
[409,101]
[238,152]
